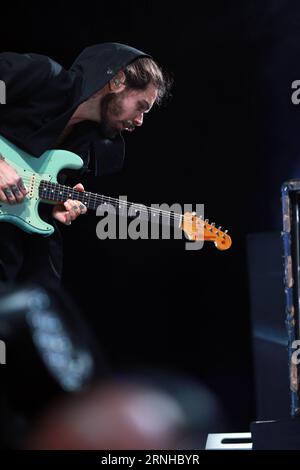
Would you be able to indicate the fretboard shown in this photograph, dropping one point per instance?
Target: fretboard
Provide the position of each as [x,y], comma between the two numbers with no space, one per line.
[55,192]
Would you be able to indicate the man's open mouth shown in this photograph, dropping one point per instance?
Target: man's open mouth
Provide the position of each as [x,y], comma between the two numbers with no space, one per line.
[128,126]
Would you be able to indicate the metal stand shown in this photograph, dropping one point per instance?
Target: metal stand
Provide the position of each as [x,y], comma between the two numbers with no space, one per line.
[229,441]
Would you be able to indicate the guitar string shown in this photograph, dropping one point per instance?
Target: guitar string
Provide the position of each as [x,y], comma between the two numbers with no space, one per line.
[141,208]
[92,198]
[65,191]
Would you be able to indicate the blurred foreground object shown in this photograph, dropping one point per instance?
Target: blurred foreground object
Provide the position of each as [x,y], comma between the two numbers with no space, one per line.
[127,414]
[49,352]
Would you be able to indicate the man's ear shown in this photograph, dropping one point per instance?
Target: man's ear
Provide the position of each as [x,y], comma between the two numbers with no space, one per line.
[117,83]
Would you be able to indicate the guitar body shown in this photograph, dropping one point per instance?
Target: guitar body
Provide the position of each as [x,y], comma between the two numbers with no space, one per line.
[32,170]
[40,177]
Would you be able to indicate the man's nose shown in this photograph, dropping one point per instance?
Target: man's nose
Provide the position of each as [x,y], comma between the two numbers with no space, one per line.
[138,120]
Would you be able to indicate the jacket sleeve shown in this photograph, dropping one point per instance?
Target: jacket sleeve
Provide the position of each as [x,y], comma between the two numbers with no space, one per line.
[38,92]
[23,74]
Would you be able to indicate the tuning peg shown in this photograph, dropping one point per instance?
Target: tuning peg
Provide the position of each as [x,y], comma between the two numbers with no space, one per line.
[219,228]
[225,233]
[212,225]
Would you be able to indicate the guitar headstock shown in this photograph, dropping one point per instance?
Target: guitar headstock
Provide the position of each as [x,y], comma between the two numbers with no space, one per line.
[197,229]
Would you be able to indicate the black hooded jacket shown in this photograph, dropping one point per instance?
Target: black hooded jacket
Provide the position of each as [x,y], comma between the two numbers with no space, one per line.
[41,97]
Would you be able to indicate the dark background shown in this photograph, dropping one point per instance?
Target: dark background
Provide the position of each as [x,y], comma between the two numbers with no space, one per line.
[228,138]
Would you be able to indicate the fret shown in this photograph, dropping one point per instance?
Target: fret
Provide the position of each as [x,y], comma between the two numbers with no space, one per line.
[60,193]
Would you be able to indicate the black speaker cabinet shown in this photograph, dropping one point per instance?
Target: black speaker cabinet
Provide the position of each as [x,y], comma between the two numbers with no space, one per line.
[269,335]
[291,248]
[276,314]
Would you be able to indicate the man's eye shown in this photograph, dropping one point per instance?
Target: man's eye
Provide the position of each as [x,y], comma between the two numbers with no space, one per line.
[141,108]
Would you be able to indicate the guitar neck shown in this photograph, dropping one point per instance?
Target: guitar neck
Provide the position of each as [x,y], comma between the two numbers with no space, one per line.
[54,192]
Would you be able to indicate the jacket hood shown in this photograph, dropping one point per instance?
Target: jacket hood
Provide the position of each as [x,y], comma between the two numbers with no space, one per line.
[97,64]
[49,96]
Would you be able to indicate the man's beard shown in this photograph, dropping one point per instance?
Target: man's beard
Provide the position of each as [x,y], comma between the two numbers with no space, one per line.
[111,105]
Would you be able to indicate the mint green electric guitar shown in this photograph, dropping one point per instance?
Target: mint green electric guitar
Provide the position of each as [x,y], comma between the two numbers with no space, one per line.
[40,178]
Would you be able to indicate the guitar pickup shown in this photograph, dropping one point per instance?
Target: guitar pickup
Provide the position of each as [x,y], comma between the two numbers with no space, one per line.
[32,187]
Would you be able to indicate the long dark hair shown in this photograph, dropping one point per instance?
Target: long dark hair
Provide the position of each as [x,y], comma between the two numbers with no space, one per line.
[145,70]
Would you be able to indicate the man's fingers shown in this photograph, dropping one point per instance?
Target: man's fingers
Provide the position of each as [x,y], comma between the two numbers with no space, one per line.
[13,192]
[75,208]
[11,183]
[79,187]
[82,207]
[9,195]
[72,207]
[68,218]
[2,196]
[79,207]
[17,192]
[22,187]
